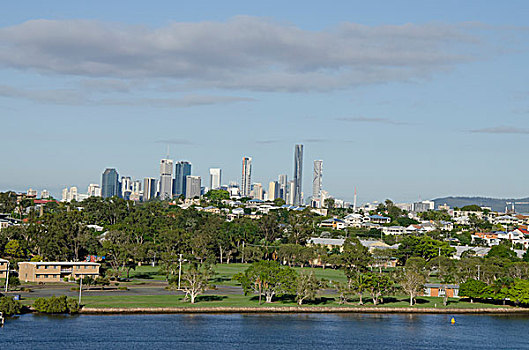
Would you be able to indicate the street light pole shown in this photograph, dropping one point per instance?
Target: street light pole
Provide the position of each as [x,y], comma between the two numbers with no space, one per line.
[179,270]
[7,276]
[80,289]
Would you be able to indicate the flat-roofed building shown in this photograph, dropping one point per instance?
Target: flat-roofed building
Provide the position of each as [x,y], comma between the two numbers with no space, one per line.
[3,268]
[46,271]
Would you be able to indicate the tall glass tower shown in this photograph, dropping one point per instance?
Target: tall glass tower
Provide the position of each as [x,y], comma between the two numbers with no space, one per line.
[182,171]
[246,181]
[298,175]
[317,179]
[110,183]
[166,179]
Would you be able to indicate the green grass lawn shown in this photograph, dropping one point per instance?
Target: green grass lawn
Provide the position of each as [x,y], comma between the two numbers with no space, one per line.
[160,301]
[224,273]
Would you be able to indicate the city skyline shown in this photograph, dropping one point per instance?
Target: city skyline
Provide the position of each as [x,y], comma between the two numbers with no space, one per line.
[427,100]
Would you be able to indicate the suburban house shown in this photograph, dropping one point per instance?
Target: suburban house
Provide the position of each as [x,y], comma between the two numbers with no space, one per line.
[3,268]
[379,219]
[440,290]
[335,224]
[393,230]
[46,271]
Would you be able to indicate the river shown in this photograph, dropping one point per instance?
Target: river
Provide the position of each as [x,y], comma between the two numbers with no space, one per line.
[265,331]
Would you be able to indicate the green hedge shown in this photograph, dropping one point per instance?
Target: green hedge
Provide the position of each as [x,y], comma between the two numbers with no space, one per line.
[56,305]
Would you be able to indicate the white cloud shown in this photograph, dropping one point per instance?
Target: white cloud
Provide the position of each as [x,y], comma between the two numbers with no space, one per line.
[241,53]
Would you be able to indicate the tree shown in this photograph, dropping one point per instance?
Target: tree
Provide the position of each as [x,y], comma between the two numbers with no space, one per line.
[445,269]
[413,277]
[472,289]
[377,285]
[194,281]
[307,287]
[9,306]
[519,291]
[503,252]
[14,249]
[424,247]
[267,278]
[56,305]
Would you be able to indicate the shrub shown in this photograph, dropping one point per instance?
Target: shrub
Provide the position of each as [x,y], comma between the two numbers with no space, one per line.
[9,306]
[56,305]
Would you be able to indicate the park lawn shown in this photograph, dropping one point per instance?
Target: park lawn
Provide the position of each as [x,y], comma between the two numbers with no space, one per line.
[224,273]
[328,301]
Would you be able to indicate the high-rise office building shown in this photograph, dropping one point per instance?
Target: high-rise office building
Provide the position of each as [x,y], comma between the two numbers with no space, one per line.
[317,179]
[298,175]
[149,188]
[126,187]
[283,183]
[193,184]
[290,192]
[166,179]
[246,181]
[45,194]
[273,190]
[215,178]
[94,190]
[110,183]
[257,191]
[182,170]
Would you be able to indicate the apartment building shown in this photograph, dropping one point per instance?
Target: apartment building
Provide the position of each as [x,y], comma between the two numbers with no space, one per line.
[46,271]
[3,268]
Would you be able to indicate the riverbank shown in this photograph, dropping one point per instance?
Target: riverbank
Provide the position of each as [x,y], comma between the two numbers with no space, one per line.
[301,309]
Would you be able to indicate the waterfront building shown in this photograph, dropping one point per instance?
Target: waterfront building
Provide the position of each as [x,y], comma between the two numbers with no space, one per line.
[246,180]
[182,170]
[317,179]
[110,183]
[193,186]
[215,178]
[149,188]
[166,179]
[32,271]
[298,175]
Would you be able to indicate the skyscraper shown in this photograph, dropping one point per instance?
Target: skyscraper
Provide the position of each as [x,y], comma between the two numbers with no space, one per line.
[110,183]
[166,179]
[246,181]
[317,179]
[182,170]
[273,190]
[126,187]
[283,183]
[149,188]
[215,178]
[193,184]
[94,190]
[298,175]
[257,191]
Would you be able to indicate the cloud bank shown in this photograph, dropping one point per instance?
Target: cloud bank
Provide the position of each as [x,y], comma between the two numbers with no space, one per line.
[242,53]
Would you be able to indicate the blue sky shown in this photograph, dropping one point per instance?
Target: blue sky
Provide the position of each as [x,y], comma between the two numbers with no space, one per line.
[403,100]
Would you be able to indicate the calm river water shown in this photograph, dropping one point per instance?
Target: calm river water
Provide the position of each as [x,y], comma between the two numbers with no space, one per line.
[265,331]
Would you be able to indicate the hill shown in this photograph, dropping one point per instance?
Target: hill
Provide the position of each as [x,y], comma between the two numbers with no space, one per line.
[497,204]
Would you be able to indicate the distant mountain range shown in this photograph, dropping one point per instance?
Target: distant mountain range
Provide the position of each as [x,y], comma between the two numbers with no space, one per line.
[497,204]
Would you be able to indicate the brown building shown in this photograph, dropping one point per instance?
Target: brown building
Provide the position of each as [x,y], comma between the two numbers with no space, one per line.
[56,271]
[3,268]
[440,290]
